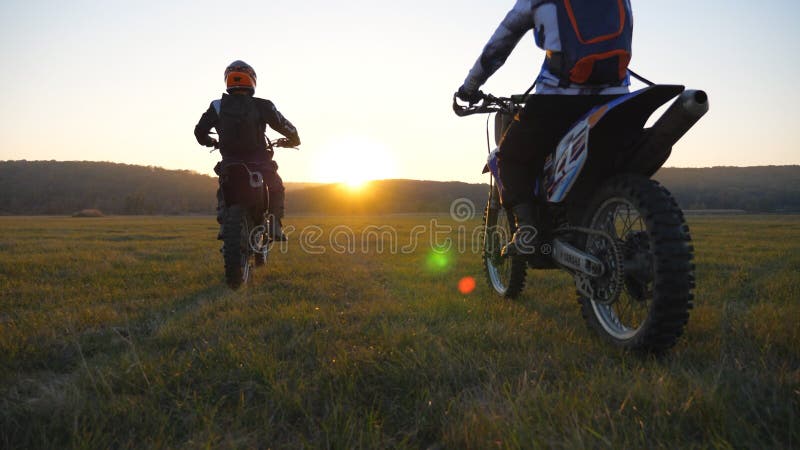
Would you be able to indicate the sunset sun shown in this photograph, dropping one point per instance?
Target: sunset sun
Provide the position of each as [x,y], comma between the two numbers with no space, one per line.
[355,184]
[354,161]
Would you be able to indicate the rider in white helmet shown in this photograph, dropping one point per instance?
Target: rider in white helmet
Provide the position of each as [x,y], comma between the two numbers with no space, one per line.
[588,49]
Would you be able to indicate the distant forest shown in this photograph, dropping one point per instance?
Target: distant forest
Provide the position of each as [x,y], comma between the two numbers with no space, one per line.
[755,189]
[63,188]
[54,187]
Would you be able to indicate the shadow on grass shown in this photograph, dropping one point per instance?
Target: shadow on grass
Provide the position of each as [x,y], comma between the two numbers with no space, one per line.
[64,355]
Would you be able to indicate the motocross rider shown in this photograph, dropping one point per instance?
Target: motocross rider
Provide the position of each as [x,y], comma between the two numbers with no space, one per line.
[588,49]
[240,120]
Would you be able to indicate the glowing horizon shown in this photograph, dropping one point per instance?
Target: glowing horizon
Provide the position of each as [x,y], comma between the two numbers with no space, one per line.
[353,160]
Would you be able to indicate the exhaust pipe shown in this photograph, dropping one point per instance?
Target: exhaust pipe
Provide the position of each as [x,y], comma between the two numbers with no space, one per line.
[679,118]
[656,146]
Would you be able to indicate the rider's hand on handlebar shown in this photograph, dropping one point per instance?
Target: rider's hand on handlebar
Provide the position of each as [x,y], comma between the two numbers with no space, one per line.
[468,95]
[213,143]
[285,143]
[481,103]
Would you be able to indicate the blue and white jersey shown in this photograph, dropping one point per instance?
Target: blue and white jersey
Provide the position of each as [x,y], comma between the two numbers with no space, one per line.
[541,16]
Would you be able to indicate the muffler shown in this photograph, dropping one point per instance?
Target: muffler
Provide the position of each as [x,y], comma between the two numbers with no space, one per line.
[656,144]
[679,118]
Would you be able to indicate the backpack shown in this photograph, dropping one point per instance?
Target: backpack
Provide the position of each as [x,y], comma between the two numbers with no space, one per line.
[238,128]
[596,40]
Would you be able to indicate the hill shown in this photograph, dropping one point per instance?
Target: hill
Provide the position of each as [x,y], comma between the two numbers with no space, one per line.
[54,187]
[757,189]
[752,189]
[63,187]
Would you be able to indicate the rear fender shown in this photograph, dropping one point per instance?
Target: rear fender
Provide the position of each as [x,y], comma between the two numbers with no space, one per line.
[605,130]
[241,186]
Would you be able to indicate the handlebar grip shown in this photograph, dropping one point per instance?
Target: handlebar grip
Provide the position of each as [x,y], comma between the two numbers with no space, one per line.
[464,111]
[284,143]
[458,109]
[487,104]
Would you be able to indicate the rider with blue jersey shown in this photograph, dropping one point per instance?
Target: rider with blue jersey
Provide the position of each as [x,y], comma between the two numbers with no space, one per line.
[588,47]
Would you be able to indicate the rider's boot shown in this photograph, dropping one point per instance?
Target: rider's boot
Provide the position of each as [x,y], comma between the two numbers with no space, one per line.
[525,238]
[276,230]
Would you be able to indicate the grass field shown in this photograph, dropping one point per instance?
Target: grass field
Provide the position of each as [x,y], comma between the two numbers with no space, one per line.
[119,332]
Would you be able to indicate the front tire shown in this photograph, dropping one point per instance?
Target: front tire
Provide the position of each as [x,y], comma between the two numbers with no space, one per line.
[236,247]
[505,275]
[654,300]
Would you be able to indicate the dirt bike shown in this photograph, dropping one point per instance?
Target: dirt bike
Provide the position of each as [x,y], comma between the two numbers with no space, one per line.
[245,222]
[617,232]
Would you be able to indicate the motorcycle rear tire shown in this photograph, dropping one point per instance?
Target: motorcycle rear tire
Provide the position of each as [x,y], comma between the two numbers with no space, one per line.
[236,247]
[660,289]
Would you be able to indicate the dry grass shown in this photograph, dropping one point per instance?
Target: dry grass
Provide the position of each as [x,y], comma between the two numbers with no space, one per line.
[118,332]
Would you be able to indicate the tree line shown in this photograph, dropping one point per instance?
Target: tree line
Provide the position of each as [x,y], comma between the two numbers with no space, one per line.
[59,188]
[753,189]
[55,187]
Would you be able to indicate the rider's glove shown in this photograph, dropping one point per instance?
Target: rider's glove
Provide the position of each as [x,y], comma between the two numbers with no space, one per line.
[468,95]
[213,143]
[286,142]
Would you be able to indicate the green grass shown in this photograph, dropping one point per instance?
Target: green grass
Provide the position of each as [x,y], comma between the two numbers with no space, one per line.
[119,332]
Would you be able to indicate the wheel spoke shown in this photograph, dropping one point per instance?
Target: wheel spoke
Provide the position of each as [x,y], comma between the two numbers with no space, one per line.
[647,310]
[623,221]
[629,222]
[505,275]
[619,229]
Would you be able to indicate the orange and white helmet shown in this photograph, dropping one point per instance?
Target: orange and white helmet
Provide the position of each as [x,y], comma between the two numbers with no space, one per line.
[239,75]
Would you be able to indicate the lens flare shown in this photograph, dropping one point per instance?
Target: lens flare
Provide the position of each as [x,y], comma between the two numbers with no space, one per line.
[466,285]
[438,260]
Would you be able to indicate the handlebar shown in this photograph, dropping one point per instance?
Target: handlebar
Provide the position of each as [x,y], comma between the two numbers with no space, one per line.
[281,143]
[488,103]
[271,145]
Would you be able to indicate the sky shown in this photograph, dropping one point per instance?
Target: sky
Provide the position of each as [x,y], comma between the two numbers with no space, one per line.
[367,83]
